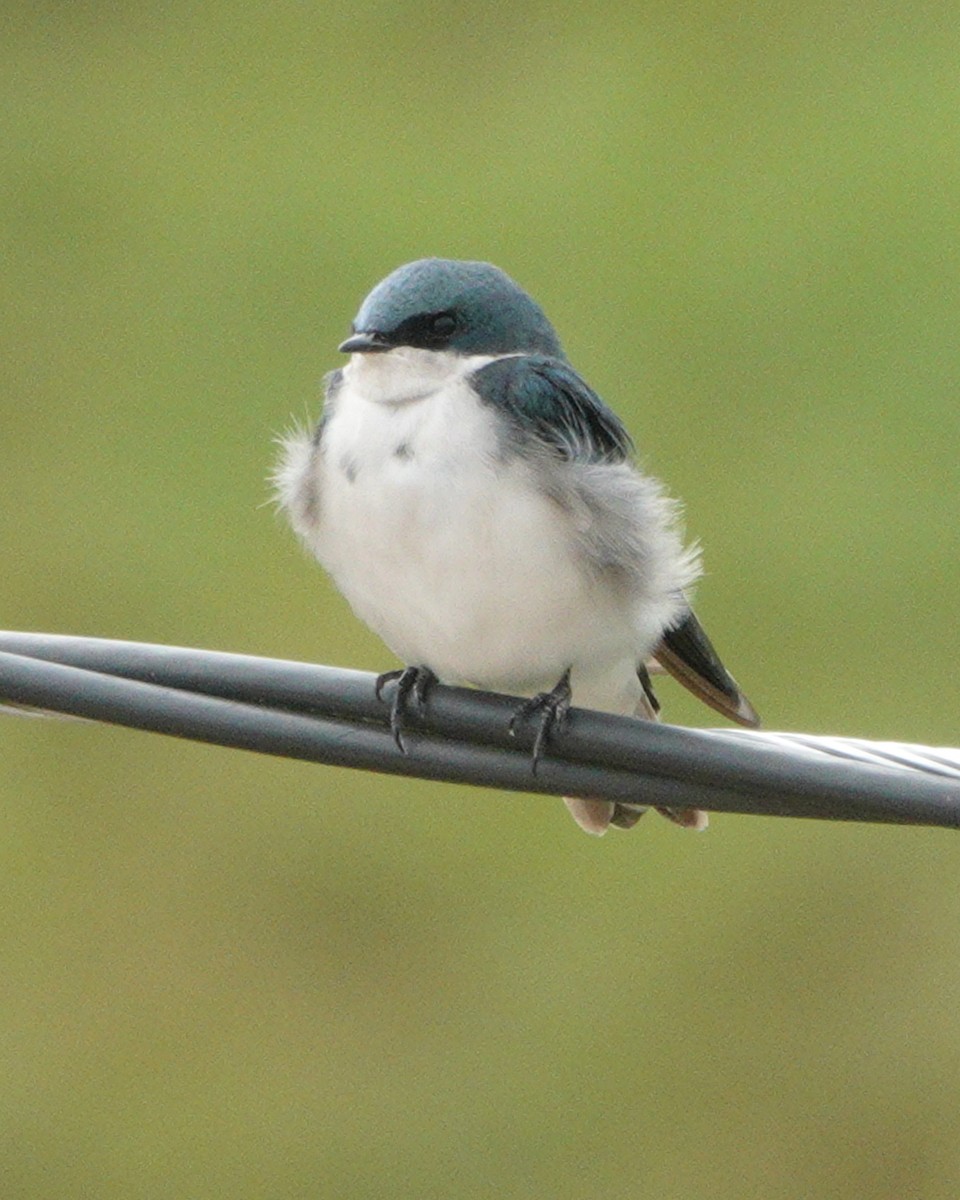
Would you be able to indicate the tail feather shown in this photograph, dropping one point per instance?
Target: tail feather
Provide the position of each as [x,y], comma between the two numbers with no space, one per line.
[688,654]
[596,816]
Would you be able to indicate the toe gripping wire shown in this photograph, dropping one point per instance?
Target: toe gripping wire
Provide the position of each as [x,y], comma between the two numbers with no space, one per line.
[325,715]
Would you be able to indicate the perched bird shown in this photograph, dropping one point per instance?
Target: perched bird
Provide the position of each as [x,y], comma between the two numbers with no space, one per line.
[475,501]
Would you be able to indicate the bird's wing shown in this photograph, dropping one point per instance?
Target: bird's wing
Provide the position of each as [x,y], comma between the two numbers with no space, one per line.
[545,400]
[686,652]
[332,383]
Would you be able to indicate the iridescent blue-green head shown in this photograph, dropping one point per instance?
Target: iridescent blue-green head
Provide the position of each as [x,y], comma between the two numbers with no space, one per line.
[446,304]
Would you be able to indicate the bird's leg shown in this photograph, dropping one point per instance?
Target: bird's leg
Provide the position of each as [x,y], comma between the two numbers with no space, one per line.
[413,683]
[551,707]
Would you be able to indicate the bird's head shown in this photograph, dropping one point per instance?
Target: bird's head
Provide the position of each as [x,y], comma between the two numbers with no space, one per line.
[443,304]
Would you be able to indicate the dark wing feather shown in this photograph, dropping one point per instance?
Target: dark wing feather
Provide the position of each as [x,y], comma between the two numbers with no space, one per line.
[546,400]
[686,652]
[332,383]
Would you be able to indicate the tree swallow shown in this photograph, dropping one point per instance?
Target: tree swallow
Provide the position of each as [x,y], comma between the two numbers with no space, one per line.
[475,501]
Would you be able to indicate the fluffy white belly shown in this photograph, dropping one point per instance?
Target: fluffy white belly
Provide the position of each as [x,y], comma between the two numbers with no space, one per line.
[453,556]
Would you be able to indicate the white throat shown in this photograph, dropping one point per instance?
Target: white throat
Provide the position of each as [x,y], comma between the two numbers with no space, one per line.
[404,375]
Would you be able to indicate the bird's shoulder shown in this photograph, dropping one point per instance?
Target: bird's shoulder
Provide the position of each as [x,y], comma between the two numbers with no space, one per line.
[545,400]
[332,384]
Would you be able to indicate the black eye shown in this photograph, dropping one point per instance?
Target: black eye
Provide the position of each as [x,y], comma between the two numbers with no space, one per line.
[427,330]
[443,324]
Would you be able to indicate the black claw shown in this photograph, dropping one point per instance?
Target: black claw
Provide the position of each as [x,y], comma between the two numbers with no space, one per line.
[552,709]
[383,680]
[412,682]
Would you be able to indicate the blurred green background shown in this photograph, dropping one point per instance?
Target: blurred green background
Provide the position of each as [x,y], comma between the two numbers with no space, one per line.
[226,976]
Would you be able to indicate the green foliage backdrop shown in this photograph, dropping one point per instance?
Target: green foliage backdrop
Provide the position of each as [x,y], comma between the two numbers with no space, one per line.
[223,976]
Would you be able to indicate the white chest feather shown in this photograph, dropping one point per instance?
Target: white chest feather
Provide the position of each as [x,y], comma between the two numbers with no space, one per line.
[446,547]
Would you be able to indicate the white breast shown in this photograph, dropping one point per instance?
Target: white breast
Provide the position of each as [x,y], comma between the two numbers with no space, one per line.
[448,550]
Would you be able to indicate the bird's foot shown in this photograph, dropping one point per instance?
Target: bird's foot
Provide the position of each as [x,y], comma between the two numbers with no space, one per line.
[413,683]
[551,710]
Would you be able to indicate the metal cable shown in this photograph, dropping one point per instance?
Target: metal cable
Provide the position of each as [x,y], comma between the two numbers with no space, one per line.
[323,714]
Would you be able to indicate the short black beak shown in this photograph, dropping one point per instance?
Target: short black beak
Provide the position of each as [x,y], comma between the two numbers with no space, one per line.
[365,343]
